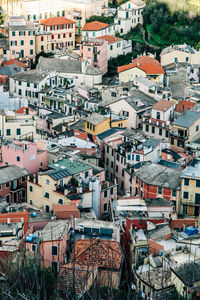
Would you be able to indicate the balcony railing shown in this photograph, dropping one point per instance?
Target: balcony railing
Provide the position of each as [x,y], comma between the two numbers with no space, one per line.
[16,188]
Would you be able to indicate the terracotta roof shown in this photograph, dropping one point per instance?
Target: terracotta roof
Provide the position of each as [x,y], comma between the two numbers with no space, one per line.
[98,253]
[81,135]
[163,105]
[184,105]
[95,26]
[2,30]
[67,207]
[110,38]
[14,62]
[22,110]
[56,21]
[147,64]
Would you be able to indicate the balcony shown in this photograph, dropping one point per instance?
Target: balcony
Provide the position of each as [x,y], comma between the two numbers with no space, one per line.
[179,135]
[16,188]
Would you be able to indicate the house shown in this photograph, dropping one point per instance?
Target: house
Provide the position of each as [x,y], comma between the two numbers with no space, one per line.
[96,123]
[157,124]
[186,278]
[57,184]
[116,46]
[55,34]
[190,189]
[95,51]
[143,66]
[150,182]
[78,11]
[79,139]
[129,15]
[182,107]
[49,243]
[21,36]
[16,126]
[29,84]
[77,70]
[97,29]
[132,107]
[104,257]
[184,129]
[26,111]
[13,183]
[179,54]
[66,211]
[27,155]
[4,49]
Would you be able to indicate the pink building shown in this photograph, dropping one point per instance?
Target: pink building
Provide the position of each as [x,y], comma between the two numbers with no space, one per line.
[95,50]
[49,243]
[27,155]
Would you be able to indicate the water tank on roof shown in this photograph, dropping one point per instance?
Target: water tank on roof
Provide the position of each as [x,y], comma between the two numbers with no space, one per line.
[191,230]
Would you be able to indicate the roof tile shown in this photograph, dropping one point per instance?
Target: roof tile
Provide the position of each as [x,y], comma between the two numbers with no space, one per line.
[147,64]
[56,21]
[95,26]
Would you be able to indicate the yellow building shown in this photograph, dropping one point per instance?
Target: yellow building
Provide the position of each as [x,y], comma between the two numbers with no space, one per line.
[143,66]
[78,11]
[190,189]
[59,184]
[96,123]
[55,34]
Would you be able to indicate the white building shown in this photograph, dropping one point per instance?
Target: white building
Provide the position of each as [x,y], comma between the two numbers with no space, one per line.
[29,84]
[117,46]
[129,15]
[97,29]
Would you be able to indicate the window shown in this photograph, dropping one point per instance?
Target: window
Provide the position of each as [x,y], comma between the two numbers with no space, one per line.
[116,168]
[197,128]
[47,181]
[63,13]
[105,207]
[136,180]
[34,248]
[186,181]
[54,266]
[58,14]
[19,83]
[153,129]
[197,198]
[142,184]
[105,194]
[137,157]
[47,208]
[185,209]
[158,115]
[113,94]
[42,38]
[58,36]
[147,128]
[46,195]
[7,198]
[111,191]
[0,187]
[93,33]
[117,157]
[31,52]
[30,188]
[111,47]
[31,42]
[111,164]
[173,193]
[54,250]
[197,183]
[86,174]
[167,133]
[8,132]
[18,158]
[13,33]
[7,184]
[160,131]
[19,92]
[22,43]
[159,190]
[172,140]
[31,202]
[185,195]
[18,131]
[60,201]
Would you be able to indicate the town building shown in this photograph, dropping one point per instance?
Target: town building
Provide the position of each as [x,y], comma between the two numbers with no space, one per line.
[27,155]
[95,51]
[48,243]
[13,183]
[97,29]
[184,129]
[180,54]
[129,15]
[190,189]
[55,34]
[21,36]
[116,46]
[157,123]
[96,123]
[143,66]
